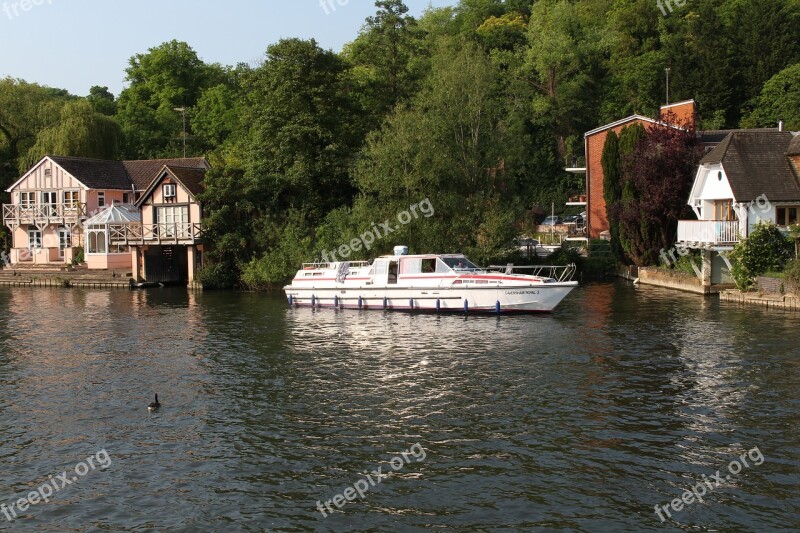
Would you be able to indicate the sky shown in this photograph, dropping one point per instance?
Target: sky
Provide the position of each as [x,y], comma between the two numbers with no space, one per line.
[75,44]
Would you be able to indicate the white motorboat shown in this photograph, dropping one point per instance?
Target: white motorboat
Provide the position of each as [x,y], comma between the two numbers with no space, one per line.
[430,282]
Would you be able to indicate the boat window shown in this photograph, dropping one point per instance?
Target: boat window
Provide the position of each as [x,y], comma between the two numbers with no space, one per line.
[410,265]
[441,267]
[429,266]
[379,268]
[459,263]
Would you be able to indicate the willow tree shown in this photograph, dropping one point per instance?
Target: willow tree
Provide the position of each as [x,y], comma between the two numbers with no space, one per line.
[81,132]
[25,109]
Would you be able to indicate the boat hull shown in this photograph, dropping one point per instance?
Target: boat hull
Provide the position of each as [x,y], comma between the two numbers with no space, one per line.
[495,299]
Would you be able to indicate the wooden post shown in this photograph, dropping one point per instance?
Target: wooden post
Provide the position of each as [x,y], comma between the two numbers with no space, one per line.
[135,264]
[192,260]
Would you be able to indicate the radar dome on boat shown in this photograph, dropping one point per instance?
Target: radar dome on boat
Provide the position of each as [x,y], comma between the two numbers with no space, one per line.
[401,250]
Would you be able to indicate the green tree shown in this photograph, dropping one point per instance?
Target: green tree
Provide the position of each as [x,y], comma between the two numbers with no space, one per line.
[25,109]
[168,77]
[780,99]
[611,162]
[701,54]
[216,116]
[766,37]
[389,58]
[447,146]
[561,59]
[304,128]
[81,132]
[102,100]
[634,78]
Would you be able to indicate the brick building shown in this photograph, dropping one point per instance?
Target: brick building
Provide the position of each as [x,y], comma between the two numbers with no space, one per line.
[680,113]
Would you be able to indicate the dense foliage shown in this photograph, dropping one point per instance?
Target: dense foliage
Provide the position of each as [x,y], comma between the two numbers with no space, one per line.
[766,249]
[476,108]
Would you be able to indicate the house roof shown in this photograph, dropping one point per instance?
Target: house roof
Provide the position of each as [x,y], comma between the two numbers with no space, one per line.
[717,136]
[142,173]
[620,123]
[755,163]
[119,175]
[794,146]
[190,178]
[95,173]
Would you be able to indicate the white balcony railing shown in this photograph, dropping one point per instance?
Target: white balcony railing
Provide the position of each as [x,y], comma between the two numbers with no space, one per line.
[15,214]
[723,232]
[183,232]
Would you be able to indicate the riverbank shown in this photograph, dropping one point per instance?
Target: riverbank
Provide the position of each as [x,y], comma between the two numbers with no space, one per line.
[669,279]
[770,301]
[79,278]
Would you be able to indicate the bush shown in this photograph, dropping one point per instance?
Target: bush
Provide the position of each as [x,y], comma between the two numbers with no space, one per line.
[792,274]
[78,258]
[687,263]
[217,276]
[765,249]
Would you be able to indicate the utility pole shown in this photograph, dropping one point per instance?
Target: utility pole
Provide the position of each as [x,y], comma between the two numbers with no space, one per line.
[183,111]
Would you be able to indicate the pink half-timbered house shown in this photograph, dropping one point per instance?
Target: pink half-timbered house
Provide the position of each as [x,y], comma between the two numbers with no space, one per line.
[137,215]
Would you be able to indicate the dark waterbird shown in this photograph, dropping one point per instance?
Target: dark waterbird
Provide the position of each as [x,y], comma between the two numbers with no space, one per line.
[154,406]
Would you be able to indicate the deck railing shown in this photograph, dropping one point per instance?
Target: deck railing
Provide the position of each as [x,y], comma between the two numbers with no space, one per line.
[708,231]
[175,233]
[43,213]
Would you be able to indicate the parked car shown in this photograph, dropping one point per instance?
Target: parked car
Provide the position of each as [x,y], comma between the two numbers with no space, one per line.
[553,220]
[527,241]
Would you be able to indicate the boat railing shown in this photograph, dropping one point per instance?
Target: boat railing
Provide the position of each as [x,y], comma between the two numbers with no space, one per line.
[560,273]
[327,265]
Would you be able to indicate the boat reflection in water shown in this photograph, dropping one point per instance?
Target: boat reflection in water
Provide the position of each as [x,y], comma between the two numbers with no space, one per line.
[430,282]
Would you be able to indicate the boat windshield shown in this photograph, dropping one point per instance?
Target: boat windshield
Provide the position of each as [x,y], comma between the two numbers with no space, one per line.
[460,263]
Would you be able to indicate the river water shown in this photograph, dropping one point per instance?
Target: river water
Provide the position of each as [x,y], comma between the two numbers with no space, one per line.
[583,420]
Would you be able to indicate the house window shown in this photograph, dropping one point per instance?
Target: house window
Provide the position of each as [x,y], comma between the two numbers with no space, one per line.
[724,210]
[71,199]
[27,199]
[170,190]
[34,239]
[101,199]
[96,240]
[48,172]
[786,215]
[173,221]
[126,198]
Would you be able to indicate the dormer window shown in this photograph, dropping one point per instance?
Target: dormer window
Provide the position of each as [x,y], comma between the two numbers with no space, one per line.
[170,190]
